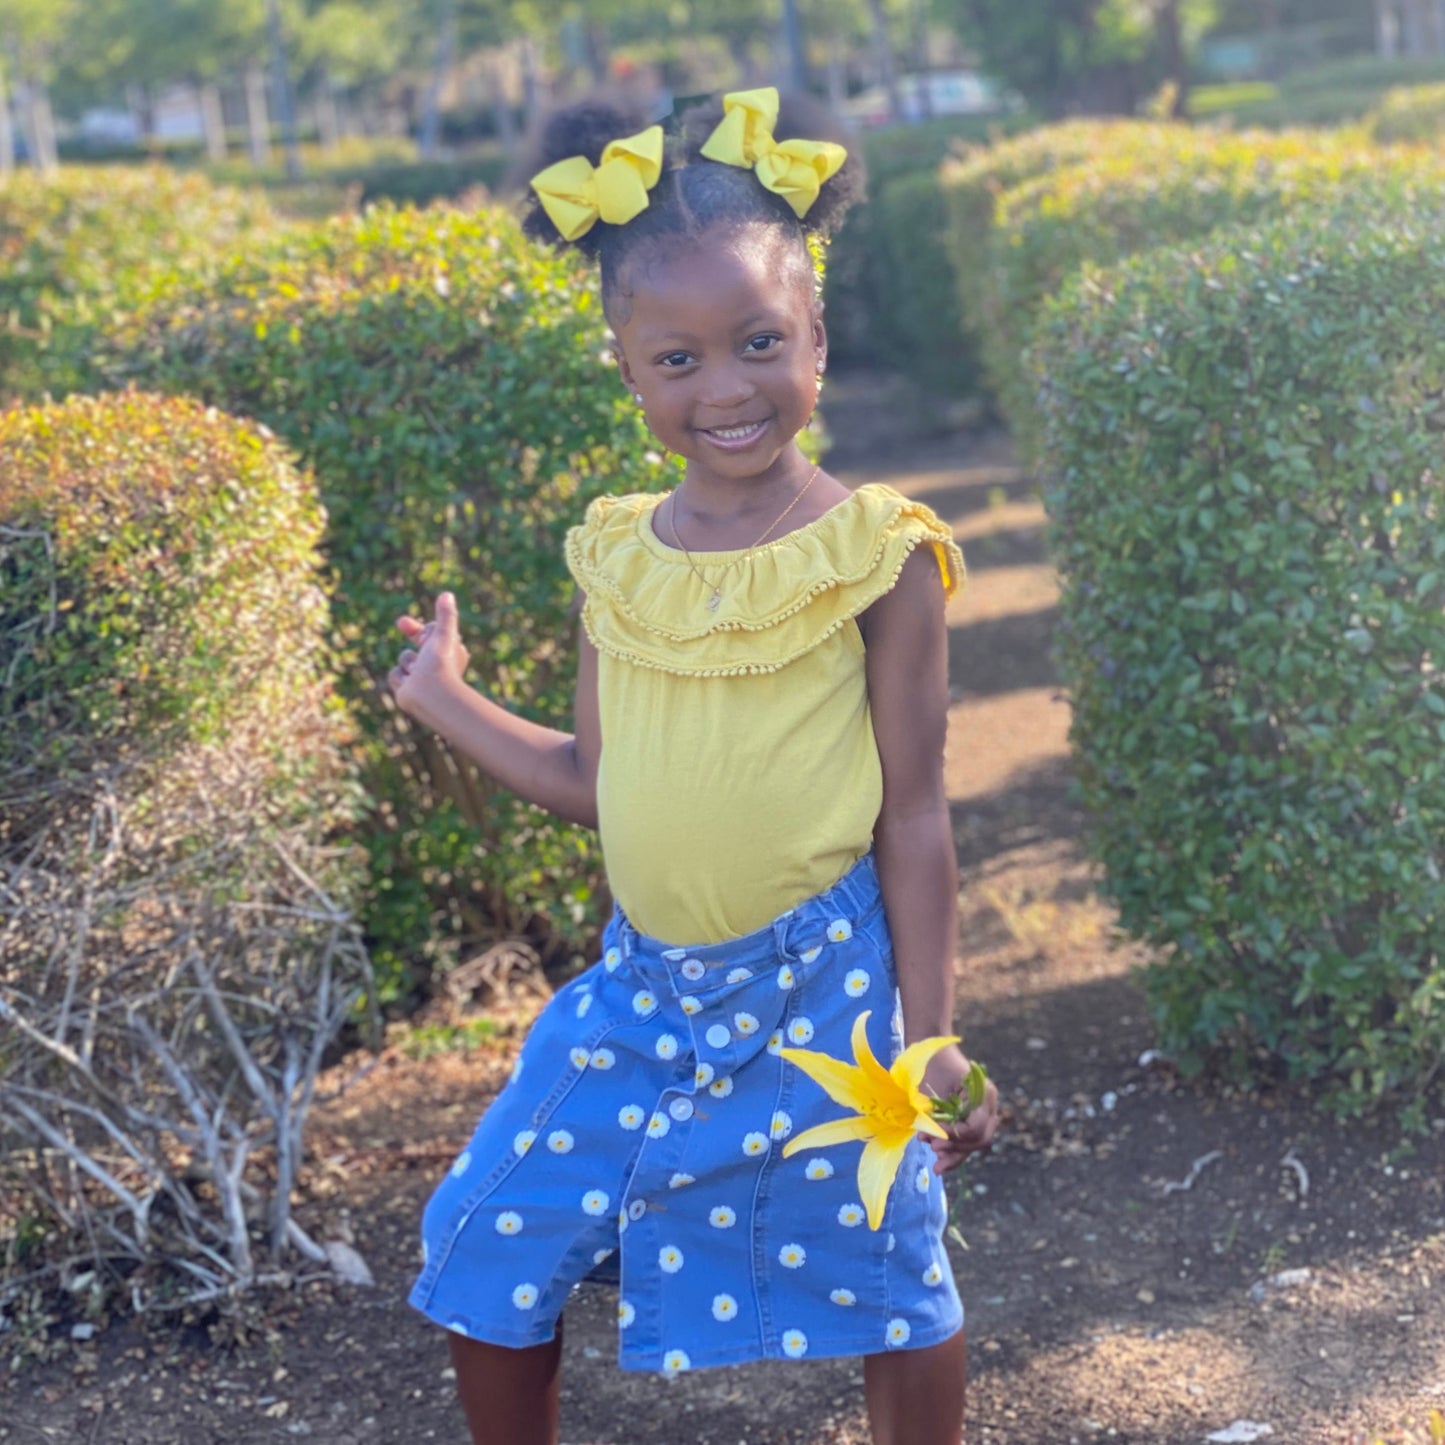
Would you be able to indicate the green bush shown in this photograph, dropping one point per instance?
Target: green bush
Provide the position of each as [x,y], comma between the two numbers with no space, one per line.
[445,380]
[177,945]
[1337,94]
[89,240]
[1246,441]
[1413,113]
[890,292]
[1125,201]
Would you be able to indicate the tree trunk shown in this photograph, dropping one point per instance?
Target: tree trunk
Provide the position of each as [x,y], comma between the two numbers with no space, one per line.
[883,57]
[45,157]
[921,61]
[797,60]
[1387,30]
[837,74]
[429,137]
[531,86]
[502,116]
[1414,27]
[258,117]
[599,51]
[1176,66]
[213,120]
[281,85]
[7,133]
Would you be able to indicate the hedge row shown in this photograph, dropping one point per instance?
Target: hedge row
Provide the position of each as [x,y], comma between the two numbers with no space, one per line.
[1017,237]
[1245,443]
[1412,113]
[91,240]
[445,380]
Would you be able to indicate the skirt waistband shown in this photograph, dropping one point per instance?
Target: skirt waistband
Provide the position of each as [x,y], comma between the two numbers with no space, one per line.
[796,934]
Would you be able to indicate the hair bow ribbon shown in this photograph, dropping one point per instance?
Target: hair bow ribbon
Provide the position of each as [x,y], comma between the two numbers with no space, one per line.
[792,169]
[576,194]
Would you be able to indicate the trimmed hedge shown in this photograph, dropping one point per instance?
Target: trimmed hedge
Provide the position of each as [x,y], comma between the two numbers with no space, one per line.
[1339,93]
[89,241]
[177,945]
[445,379]
[1247,441]
[1412,113]
[1119,202]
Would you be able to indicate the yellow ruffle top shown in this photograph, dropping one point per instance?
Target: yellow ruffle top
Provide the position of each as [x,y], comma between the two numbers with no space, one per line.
[739,773]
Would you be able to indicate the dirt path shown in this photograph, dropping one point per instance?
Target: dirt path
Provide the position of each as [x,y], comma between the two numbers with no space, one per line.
[1148,1263]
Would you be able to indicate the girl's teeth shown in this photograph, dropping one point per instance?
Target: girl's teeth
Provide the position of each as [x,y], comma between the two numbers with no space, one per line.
[734,431]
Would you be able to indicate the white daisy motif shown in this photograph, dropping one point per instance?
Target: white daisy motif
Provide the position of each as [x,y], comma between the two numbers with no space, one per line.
[892,1241]
[669,1259]
[681,1110]
[781,1125]
[595,1202]
[630,1116]
[855,985]
[745,1024]
[800,1031]
[724,1308]
[739,975]
[603,1058]
[643,1002]
[658,1125]
[559,1141]
[755,1144]
[611,959]
[626,1313]
[809,954]
[722,1217]
[785,979]
[584,1002]
[718,1036]
[509,1222]
[840,930]
[818,1169]
[580,1058]
[795,1344]
[622,1221]
[690,1005]
[524,1141]
[921,1179]
[666,1046]
[692,969]
[674,1362]
[673,954]
[933,1274]
[525,1296]
[464,1161]
[680,1181]
[843,1297]
[775,1042]
[703,1075]
[720,1088]
[851,1215]
[898,1331]
[637,1208]
[792,1256]
[601,1254]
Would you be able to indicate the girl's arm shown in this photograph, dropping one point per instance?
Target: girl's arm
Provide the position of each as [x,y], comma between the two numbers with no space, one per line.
[907,661]
[554,770]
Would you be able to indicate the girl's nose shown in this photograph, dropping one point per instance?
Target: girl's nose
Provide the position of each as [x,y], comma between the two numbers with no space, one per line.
[725,388]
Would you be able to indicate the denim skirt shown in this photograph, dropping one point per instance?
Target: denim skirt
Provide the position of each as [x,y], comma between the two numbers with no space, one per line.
[640,1140]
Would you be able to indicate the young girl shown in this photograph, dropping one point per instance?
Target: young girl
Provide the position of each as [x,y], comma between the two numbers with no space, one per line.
[760,716]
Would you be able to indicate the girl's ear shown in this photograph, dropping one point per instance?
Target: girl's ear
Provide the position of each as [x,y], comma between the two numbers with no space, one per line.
[820,335]
[623,369]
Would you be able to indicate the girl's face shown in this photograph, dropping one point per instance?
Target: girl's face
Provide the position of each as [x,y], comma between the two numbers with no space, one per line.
[724,342]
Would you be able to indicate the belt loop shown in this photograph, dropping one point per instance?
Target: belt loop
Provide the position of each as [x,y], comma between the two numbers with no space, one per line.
[780,936]
[627,934]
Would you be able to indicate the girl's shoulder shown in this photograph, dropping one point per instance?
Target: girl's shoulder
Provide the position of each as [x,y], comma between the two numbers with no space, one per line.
[648,603]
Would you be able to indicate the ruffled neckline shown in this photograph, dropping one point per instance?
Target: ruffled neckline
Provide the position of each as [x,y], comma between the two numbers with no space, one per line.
[794,593]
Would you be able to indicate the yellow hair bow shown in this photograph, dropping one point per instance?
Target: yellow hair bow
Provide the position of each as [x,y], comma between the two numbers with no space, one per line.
[576,194]
[792,169]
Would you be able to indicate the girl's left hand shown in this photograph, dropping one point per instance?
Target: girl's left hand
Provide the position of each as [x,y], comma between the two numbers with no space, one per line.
[947,1075]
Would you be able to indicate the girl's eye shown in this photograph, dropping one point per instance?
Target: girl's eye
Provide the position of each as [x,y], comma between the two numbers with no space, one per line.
[675,358]
[764,342]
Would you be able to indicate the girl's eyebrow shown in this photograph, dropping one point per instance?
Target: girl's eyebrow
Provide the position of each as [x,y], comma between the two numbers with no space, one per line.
[754,318]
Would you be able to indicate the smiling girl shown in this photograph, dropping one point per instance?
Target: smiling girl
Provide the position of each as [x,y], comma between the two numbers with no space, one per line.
[759,728]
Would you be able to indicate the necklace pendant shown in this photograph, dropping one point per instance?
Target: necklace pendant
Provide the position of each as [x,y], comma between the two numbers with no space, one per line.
[715,601]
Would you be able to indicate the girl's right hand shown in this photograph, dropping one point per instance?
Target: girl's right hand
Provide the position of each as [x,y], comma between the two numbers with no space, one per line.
[437,660]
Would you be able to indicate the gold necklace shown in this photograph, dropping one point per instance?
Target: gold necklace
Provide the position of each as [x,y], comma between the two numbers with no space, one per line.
[715,600]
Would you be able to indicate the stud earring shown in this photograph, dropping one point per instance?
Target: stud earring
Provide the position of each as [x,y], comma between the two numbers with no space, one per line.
[637,397]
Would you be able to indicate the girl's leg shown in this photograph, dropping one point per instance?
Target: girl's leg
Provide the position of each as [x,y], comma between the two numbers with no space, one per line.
[510,1396]
[915,1397]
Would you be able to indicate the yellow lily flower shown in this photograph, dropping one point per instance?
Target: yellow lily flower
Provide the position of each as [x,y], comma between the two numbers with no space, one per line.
[891,1108]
